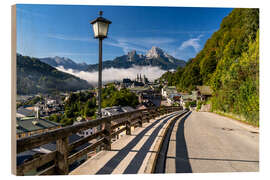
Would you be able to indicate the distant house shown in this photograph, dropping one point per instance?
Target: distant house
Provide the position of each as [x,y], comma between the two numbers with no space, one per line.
[173,98]
[23,112]
[186,98]
[86,132]
[51,101]
[110,111]
[32,125]
[167,90]
[126,82]
[204,92]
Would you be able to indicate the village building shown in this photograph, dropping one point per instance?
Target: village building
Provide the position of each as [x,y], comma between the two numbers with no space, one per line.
[27,126]
[204,92]
[167,90]
[86,132]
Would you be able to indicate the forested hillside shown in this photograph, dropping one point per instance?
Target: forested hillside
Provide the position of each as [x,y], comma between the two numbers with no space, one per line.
[34,76]
[229,63]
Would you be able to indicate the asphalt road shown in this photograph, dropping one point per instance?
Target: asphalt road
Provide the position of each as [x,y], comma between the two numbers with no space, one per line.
[205,142]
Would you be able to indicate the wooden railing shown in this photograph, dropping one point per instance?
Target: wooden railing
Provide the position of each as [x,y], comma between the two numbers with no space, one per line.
[60,159]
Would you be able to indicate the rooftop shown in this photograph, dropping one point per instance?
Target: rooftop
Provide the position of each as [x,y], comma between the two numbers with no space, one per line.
[205,90]
[32,124]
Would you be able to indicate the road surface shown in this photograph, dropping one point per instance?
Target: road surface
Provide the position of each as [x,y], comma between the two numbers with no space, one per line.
[205,142]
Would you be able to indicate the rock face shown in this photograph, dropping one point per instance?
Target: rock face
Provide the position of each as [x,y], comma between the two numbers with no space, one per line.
[133,56]
[154,57]
[155,52]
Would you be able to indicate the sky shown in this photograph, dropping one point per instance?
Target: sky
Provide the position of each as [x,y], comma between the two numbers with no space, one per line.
[65,30]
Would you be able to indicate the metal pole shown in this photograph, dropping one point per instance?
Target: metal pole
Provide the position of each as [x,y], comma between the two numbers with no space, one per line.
[100,78]
[99,88]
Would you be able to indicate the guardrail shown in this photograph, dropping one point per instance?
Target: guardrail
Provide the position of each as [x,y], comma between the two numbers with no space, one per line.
[61,158]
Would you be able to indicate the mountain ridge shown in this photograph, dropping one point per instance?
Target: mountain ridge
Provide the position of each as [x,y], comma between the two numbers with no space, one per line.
[65,62]
[34,76]
[154,57]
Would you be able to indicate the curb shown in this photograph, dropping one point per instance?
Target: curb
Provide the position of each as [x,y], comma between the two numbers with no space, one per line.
[151,163]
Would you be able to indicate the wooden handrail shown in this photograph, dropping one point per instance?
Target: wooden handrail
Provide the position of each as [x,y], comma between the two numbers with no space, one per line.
[62,157]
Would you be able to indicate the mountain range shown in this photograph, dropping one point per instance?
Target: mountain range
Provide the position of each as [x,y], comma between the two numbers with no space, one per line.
[154,57]
[34,76]
[65,62]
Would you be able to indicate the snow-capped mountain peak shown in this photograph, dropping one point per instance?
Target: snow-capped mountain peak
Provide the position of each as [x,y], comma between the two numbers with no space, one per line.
[155,52]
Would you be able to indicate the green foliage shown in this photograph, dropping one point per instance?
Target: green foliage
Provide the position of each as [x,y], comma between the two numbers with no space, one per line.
[84,104]
[239,86]
[191,104]
[31,102]
[199,105]
[112,97]
[229,63]
[78,104]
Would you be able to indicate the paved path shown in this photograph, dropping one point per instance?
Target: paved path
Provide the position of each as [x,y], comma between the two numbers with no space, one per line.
[130,154]
[206,142]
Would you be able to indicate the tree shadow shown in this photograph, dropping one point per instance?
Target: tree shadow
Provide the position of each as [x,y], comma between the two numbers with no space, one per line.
[182,164]
[114,162]
[137,161]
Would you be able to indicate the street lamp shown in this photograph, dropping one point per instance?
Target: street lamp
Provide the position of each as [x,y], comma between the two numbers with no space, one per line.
[100,28]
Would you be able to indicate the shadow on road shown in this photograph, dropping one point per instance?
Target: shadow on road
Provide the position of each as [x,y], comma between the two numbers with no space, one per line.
[137,161]
[114,162]
[182,164]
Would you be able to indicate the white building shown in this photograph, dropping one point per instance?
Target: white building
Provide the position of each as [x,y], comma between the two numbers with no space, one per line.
[167,90]
[86,132]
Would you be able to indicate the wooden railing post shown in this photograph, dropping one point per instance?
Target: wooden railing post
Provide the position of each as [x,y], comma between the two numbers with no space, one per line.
[19,172]
[62,156]
[158,112]
[128,126]
[148,116]
[108,134]
[140,120]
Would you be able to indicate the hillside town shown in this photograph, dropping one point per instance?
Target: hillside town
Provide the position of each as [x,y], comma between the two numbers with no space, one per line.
[33,112]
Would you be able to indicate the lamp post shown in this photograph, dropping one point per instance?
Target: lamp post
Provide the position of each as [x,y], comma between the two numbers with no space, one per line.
[100,28]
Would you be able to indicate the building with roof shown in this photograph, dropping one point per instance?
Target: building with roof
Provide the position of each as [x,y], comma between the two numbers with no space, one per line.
[204,92]
[110,111]
[86,132]
[173,99]
[167,90]
[23,112]
[32,125]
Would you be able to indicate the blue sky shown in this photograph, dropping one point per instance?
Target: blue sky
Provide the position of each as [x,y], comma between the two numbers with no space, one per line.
[65,31]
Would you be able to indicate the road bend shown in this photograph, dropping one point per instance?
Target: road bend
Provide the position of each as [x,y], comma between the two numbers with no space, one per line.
[202,142]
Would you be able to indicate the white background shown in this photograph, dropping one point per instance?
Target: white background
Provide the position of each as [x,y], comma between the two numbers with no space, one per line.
[5,70]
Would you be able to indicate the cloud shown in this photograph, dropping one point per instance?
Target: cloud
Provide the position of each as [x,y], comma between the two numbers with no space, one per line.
[69,38]
[193,42]
[112,74]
